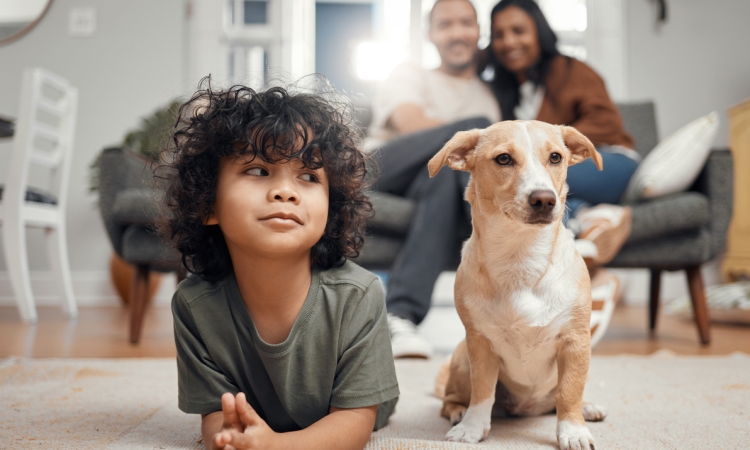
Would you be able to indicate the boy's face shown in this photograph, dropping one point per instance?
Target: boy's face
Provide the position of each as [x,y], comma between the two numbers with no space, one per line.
[270,210]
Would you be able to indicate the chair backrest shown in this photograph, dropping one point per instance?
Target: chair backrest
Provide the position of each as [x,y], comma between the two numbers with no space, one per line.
[120,169]
[640,122]
[44,134]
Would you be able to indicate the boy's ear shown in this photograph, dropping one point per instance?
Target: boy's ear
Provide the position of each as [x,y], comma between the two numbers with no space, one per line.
[458,153]
[580,147]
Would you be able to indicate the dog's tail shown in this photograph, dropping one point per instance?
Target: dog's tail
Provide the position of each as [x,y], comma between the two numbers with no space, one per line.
[442,379]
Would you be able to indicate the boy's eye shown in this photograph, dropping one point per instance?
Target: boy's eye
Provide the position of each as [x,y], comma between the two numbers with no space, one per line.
[257,172]
[309,177]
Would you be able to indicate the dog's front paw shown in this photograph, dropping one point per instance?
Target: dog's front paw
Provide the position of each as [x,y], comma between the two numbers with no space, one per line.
[468,432]
[593,413]
[571,436]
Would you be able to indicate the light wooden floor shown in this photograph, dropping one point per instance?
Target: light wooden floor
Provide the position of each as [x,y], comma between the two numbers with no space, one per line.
[101,332]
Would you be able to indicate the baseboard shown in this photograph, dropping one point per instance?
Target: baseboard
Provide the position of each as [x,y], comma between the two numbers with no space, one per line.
[91,288]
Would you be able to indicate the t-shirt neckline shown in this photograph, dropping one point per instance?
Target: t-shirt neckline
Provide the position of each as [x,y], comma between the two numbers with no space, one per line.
[299,323]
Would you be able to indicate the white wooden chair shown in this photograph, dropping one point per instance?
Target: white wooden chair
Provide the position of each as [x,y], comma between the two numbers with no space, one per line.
[44,137]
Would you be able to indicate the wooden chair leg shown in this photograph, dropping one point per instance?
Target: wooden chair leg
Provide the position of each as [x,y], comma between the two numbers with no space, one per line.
[653,300]
[138,300]
[698,297]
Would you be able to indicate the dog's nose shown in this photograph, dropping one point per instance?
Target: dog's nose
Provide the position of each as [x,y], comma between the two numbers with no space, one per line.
[542,201]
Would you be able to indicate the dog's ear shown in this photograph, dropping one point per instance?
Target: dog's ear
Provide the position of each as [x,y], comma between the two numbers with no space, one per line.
[580,147]
[457,153]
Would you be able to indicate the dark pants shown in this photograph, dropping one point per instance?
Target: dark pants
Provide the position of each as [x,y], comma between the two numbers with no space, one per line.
[440,213]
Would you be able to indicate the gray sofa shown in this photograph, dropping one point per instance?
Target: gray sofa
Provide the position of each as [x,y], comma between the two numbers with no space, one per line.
[676,232]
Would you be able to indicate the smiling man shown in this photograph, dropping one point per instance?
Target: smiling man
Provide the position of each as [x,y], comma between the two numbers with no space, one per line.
[415,113]
[413,99]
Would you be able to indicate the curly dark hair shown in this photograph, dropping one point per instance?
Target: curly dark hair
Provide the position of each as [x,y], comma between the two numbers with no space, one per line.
[269,124]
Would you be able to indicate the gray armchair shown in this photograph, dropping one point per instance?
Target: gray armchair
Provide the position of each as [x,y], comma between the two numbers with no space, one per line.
[128,208]
[676,232]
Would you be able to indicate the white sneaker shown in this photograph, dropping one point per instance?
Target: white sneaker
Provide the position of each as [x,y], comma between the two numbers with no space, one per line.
[406,341]
[605,291]
[587,250]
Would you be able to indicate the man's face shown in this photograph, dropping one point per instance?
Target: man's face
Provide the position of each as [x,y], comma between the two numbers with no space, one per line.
[455,32]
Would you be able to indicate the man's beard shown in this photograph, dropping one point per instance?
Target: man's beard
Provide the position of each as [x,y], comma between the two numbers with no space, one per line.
[458,67]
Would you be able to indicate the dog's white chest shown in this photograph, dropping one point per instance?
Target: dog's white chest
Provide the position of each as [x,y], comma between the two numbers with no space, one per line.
[523,328]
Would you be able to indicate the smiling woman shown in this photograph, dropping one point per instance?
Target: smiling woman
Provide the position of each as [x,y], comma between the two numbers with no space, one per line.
[532,80]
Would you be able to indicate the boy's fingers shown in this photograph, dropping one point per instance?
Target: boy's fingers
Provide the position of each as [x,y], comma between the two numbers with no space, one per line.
[246,412]
[222,439]
[242,440]
[230,410]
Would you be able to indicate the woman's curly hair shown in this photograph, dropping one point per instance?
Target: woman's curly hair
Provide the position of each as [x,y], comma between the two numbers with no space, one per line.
[275,124]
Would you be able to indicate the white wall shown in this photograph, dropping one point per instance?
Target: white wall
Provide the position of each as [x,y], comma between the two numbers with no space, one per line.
[694,63]
[133,64]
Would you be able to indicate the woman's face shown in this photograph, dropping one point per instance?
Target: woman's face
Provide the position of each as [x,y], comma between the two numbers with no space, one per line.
[515,41]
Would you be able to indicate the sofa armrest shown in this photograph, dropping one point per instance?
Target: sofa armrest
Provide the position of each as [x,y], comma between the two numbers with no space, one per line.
[716,181]
[136,206]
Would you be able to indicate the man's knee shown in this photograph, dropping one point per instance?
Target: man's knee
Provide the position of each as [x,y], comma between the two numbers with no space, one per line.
[470,124]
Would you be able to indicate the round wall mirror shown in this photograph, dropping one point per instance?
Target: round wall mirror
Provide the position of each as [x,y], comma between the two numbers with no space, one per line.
[18,17]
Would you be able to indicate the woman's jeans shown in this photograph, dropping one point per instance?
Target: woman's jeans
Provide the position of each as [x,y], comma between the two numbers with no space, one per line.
[589,186]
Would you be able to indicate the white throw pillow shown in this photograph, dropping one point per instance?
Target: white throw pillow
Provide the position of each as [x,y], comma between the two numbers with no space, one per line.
[674,164]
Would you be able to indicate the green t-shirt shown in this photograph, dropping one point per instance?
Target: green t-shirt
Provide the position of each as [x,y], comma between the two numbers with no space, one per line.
[338,352]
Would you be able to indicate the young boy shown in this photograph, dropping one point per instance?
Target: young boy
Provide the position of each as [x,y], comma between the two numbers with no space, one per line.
[281,342]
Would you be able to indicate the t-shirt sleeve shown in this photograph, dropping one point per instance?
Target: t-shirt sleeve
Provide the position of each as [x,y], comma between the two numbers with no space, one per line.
[200,382]
[404,85]
[365,373]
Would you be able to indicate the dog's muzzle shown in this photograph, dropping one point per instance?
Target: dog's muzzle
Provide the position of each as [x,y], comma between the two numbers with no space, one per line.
[541,205]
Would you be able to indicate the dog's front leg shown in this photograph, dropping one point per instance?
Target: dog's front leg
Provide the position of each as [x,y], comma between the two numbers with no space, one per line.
[484,365]
[573,359]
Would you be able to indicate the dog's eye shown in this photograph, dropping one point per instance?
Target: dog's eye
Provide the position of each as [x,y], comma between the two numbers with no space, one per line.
[555,158]
[503,159]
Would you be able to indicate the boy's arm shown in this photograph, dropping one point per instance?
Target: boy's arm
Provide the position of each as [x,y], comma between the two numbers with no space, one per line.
[341,429]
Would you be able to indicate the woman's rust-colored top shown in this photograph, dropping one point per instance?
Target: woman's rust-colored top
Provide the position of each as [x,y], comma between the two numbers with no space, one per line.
[575,95]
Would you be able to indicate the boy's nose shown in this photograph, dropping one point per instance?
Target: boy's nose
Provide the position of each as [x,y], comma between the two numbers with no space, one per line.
[285,198]
[284,193]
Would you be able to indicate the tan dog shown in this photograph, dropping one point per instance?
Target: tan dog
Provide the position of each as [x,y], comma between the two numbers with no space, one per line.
[522,291]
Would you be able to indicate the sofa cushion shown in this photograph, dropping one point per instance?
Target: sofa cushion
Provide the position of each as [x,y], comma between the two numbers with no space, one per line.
[379,251]
[671,214]
[392,214]
[674,164]
[640,122]
[673,252]
[35,195]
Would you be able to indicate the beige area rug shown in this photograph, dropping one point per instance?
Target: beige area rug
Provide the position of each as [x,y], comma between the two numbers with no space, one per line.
[657,402]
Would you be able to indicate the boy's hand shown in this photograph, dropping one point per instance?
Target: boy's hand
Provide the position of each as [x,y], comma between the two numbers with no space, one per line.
[243,428]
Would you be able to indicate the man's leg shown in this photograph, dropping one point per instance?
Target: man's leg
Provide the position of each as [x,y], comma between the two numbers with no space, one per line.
[402,159]
[432,234]
[431,239]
